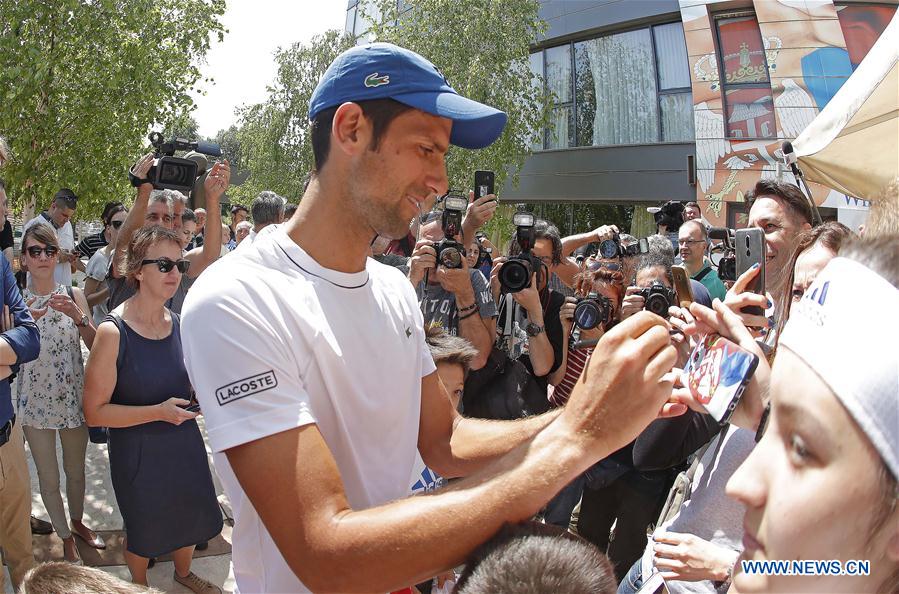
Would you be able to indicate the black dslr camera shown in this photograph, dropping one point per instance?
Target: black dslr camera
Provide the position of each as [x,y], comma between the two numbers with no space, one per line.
[170,172]
[450,252]
[515,273]
[723,256]
[612,248]
[592,310]
[657,298]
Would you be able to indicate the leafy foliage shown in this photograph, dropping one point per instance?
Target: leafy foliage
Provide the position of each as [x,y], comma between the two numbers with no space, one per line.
[482,48]
[83,81]
[273,136]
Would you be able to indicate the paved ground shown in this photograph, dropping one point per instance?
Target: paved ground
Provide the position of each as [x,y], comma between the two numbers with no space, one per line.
[102,513]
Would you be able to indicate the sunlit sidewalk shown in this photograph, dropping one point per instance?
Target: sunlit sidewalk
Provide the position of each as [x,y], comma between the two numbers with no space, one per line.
[102,514]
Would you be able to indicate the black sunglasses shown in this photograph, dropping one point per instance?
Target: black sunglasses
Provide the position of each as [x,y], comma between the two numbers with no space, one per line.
[35,251]
[166,264]
[116,224]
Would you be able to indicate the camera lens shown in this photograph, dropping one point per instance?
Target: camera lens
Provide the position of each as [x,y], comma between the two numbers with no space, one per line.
[608,249]
[451,258]
[515,275]
[657,304]
[586,314]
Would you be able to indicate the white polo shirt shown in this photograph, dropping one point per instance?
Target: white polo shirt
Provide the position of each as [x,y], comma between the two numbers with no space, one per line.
[62,274]
[273,341]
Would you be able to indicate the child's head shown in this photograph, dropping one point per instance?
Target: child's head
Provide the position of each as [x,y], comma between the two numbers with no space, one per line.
[535,558]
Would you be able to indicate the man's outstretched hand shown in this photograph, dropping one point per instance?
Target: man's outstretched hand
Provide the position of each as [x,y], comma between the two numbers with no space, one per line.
[625,385]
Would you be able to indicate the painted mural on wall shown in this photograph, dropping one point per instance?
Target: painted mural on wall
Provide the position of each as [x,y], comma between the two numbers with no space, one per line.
[779,65]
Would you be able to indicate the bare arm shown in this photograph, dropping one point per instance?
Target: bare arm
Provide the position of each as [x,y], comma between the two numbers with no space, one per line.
[88,332]
[454,445]
[95,291]
[215,185]
[136,216]
[100,378]
[293,482]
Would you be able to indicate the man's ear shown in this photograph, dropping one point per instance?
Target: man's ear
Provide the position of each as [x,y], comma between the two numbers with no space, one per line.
[351,130]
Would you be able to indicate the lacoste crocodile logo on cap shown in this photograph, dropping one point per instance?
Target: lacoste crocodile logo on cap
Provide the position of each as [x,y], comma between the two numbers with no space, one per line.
[373,80]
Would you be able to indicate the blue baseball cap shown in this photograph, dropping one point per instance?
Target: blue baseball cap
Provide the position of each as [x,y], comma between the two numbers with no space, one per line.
[386,71]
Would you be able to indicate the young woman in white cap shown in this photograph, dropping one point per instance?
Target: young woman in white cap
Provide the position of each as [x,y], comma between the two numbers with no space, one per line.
[822,482]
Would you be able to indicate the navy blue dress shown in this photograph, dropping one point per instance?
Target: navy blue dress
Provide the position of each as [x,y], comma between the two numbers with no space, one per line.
[160,472]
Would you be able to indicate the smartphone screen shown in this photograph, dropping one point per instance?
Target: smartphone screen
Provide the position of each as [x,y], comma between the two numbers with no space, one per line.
[483,184]
[749,245]
[682,286]
[717,373]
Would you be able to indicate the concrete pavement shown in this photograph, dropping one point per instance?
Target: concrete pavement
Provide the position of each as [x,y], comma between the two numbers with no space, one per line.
[102,513]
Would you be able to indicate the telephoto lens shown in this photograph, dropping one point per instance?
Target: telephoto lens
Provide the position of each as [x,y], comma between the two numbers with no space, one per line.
[591,311]
[515,275]
[450,257]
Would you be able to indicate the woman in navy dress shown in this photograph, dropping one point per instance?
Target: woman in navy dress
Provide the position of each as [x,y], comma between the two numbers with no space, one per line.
[136,384]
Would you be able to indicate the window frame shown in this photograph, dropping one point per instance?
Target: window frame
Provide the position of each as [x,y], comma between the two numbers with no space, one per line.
[573,103]
[719,57]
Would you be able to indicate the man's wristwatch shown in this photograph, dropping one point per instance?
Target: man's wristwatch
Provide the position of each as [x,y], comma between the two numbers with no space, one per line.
[84,321]
[533,329]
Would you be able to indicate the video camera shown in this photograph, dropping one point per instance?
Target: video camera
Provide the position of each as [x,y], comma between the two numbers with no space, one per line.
[657,298]
[726,260]
[670,214]
[592,310]
[170,172]
[612,248]
[516,272]
[450,252]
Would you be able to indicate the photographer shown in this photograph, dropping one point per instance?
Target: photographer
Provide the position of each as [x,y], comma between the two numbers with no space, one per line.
[529,324]
[153,207]
[568,269]
[457,299]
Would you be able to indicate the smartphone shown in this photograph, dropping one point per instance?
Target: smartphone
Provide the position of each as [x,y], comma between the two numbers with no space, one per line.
[654,584]
[749,245]
[483,184]
[682,286]
[717,372]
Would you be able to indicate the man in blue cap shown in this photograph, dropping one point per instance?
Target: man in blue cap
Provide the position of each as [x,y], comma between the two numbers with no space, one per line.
[311,367]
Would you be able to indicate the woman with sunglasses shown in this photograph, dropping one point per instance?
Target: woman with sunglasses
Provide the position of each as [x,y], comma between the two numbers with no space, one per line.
[95,288]
[136,384]
[50,388]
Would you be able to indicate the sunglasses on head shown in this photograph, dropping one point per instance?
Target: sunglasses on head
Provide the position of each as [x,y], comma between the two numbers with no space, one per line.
[166,264]
[35,251]
[116,224]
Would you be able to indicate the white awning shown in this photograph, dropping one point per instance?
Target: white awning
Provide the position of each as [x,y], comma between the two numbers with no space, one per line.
[853,145]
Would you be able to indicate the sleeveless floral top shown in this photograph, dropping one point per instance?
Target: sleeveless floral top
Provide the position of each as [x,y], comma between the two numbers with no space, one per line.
[50,387]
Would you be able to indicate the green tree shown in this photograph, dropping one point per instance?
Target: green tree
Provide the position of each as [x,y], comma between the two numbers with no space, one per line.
[482,48]
[274,136]
[82,83]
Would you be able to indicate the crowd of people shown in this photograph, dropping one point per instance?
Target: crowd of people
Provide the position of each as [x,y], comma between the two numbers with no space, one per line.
[387,414]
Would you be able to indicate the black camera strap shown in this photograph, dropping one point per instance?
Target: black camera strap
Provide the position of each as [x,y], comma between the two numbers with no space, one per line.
[702,274]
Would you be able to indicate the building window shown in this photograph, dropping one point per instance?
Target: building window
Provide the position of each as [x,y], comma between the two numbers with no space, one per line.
[862,26]
[559,83]
[617,99]
[627,88]
[536,64]
[675,94]
[748,105]
[351,19]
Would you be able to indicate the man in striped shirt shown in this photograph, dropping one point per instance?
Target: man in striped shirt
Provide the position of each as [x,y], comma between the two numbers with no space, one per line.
[88,246]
